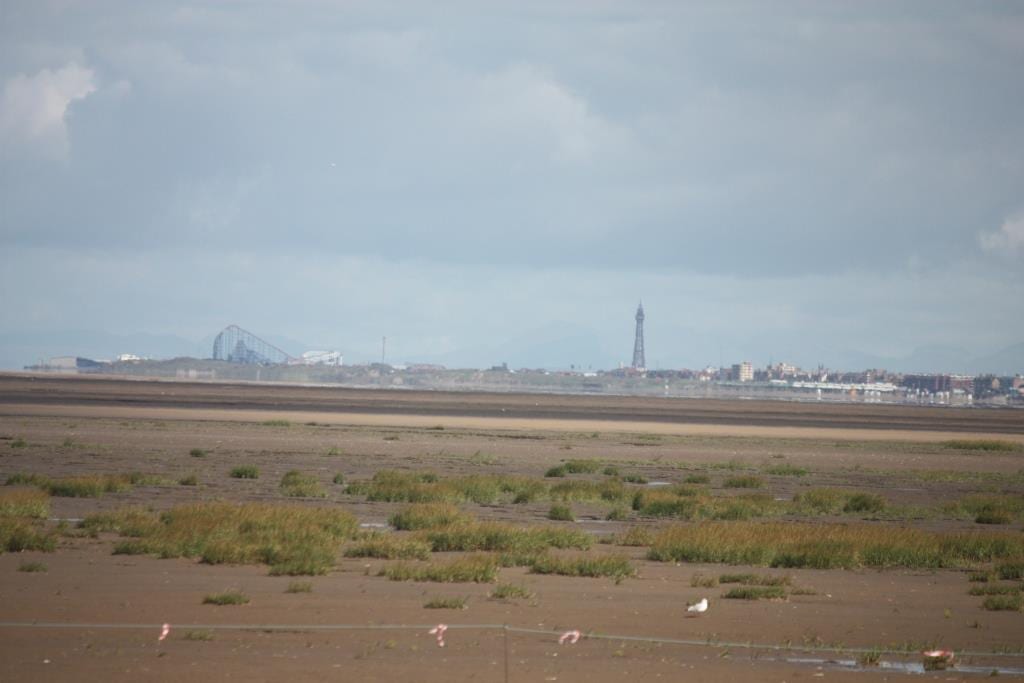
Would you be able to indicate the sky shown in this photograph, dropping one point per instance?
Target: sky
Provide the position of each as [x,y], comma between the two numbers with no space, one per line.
[486,182]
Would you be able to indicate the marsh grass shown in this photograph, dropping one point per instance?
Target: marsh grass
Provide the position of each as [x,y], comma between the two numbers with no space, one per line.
[428,516]
[582,466]
[830,546]
[21,533]
[1010,570]
[299,587]
[201,636]
[700,581]
[477,568]
[994,589]
[197,453]
[389,548]
[31,567]
[634,537]
[697,479]
[756,593]
[446,603]
[245,472]
[988,508]
[992,445]
[276,423]
[561,513]
[510,591]
[189,480]
[293,540]
[617,514]
[226,598]
[1011,603]
[786,470]
[507,538]
[19,443]
[24,503]
[556,471]
[339,479]
[295,484]
[617,567]
[747,481]
[864,502]
[755,579]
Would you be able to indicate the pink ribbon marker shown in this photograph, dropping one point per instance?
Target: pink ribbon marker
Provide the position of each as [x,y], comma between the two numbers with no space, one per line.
[439,630]
[164,632]
[571,636]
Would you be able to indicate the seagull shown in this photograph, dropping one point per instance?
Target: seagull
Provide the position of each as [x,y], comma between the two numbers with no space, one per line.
[699,607]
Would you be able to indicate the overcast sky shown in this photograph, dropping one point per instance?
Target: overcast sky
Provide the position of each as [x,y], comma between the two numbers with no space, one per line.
[504,181]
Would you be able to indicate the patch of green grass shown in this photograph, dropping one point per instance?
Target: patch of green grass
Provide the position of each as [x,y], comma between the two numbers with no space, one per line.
[756,593]
[23,479]
[298,485]
[510,591]
[389,548]
[19,443]
[226,598]
[617,514]
[634,537]
[747,481]
[20,533]
[864,502]
[1010,570]
[202,636]
[755,579]
[561,513]
[698,580]
[1010,603]
[31,567]
[582,466]
[428,516]
[90,486]
[608,490]
[556,471]
[299,587]
[994,589]
[617,567]
[501,537]
[246,472]
[786,471]
[821,501]
[479,568]
[276,423]
[291,539]
[197,453]
[610,471]
[334,451]
[697,479]
[982,445]
[634,479]
[446,603]
[827,546]
[24,503]
[189,480]
[339,479]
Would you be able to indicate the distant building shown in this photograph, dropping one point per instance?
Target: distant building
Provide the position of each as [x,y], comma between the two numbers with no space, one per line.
[743,372]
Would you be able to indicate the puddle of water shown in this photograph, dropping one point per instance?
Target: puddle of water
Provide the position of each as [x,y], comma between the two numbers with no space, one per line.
[902,667]
[373,525]
[659,483]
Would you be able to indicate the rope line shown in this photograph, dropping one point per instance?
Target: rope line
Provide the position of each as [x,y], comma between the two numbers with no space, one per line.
[493,627]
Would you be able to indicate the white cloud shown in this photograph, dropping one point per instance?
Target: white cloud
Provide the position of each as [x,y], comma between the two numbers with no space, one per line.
[1008,238]
[33,109]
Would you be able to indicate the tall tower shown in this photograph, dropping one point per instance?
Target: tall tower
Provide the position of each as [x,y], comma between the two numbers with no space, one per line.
[638,346]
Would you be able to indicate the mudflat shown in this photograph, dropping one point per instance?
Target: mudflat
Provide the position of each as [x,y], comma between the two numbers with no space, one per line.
[628,472]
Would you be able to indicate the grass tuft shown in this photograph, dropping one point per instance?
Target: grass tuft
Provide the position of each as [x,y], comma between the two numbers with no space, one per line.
[1007,603]
[982,445]
[479,568]
[245,472]
[561,513]
[510,591]
[292,540]
[389,548]
[428,516]
[24,503]
[755,579]
[299,587]
[197,453]
[617,567]
[786,471]
[298,485]
[198,636]
[446,603]
[746,481]
[227,598]
[189,480]
[32,567]
[756,593]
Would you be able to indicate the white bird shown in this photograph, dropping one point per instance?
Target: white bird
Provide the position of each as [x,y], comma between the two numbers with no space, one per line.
[699,607]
